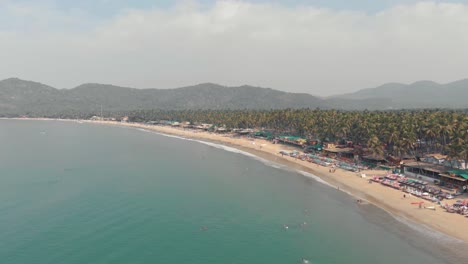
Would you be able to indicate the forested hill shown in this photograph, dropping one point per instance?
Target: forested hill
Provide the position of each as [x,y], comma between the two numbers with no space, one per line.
[19,97]
[422,94]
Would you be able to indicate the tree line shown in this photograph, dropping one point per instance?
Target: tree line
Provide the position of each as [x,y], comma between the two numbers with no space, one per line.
[396,133]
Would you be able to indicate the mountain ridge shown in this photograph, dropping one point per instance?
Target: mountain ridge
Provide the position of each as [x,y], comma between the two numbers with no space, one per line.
[392,86]
[28,97]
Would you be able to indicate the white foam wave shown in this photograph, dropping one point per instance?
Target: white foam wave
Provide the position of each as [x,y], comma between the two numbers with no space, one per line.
[427,231]
[227,148]
[144,130]
[248,154]
[310,175]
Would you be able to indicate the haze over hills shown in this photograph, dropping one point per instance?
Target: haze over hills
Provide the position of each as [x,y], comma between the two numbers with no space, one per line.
[422,94]
[19,97]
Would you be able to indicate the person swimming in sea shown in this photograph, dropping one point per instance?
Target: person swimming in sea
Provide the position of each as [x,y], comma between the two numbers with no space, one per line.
[285,226]
[204,228]
[304,260]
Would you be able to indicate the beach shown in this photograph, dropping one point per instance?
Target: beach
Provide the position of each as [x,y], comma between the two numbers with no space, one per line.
[391,200]
[132,195]
[386,198]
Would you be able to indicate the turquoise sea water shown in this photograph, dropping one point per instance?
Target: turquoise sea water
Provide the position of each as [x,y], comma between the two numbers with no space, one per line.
[82,193]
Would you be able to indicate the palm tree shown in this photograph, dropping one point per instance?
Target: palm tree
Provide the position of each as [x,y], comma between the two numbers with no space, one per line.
[375,147]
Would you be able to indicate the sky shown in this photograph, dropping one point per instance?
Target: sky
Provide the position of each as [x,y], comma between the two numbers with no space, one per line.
[321,47]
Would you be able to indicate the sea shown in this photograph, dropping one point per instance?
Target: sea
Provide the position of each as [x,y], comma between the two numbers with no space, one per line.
[74,193]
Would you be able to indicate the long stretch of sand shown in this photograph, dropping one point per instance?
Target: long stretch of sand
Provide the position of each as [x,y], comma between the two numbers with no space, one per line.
[387,198]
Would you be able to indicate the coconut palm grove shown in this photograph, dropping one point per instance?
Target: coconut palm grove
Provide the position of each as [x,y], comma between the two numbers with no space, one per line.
[382,133]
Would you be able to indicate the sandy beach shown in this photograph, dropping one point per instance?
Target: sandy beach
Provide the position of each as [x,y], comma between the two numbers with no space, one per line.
[389,199]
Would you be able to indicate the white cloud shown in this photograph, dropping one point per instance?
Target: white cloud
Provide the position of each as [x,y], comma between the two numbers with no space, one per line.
[306,49]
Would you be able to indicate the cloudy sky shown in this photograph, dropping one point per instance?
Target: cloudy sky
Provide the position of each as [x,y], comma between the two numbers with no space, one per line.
[321,47]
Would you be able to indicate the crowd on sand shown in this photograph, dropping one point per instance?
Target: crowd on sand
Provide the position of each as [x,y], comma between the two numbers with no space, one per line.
[429,194]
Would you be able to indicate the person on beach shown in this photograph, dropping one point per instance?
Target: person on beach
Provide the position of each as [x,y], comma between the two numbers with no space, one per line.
[404,195]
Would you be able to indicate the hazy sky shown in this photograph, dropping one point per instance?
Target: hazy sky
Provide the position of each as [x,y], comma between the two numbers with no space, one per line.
[321,47]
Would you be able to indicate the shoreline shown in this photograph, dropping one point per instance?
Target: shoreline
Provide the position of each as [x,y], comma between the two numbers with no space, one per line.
[388,199]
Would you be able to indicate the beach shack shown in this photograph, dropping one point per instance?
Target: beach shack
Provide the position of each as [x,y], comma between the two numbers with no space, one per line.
[313,148]
[264,134]
[423,170]
[457,179]
[435,158]
[456,164]
[375,161]
[293,140]
[221,130]
[203,126]
[347,153]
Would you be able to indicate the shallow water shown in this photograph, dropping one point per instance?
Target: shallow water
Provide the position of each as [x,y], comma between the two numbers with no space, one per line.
[83,193]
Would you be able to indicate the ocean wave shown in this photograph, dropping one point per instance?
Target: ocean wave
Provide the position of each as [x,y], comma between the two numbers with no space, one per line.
[248,154]
[226,148]
[310,175]
[426,230]
[144,130]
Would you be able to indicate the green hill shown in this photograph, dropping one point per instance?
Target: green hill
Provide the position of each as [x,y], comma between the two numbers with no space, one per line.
[422,94]
[19,97]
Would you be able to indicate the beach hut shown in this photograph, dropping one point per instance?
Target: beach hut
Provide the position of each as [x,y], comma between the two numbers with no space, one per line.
[264,134]
[456,178]
[435,158]
[293,140]
[340,152]
[313,148]
[373,161]
[456,164]
[246,131]
[221,130]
